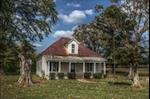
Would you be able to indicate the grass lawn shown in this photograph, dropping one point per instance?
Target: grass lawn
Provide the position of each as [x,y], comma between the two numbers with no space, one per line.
[118,88]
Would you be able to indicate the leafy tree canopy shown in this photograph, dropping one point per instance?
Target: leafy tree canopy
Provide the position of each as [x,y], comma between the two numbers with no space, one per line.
[27,19]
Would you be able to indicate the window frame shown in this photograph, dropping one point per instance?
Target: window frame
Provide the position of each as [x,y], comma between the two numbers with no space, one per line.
[72,48]
[89,67]
[53,67]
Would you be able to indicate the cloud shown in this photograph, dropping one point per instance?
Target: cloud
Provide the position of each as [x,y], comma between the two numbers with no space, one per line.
[89,12]
[74,27]
[73,5]
[37,44]
[54,0]
[62,33]
[75,17]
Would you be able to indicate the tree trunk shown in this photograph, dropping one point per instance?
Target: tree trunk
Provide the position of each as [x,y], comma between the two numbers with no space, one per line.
[136,80]
[130,75]
[113,69]
[1,69]
[25,71]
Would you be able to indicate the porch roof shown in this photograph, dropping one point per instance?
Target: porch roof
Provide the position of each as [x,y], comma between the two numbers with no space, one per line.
[76,59]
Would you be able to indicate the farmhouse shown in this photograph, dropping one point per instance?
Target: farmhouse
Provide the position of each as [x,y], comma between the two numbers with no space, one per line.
[68,55]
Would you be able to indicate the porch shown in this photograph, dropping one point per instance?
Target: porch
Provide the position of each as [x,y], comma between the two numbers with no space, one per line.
[78,66]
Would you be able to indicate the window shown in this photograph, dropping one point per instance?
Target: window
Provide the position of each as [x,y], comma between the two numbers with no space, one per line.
[89,67]
[53,67]
[73,48]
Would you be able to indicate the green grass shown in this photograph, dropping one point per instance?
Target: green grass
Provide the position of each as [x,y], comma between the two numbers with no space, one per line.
[117,88]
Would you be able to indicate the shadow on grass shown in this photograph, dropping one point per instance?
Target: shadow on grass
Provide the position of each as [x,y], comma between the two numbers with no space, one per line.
[36,82]
[120,83]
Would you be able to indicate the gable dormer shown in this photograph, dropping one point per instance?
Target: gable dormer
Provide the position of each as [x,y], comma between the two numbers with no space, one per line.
[73,46]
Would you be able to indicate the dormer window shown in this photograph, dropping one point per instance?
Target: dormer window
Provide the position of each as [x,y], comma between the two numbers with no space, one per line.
[73,48]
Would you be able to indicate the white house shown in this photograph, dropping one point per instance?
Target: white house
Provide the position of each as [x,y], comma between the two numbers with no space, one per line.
[69,55]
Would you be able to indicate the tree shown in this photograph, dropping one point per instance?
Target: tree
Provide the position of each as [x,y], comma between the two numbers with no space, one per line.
[8,56]
[128,24]
[26,52]
[137,10]
[105,33]
[26,20]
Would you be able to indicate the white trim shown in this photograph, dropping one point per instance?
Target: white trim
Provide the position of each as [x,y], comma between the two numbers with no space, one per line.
[83,67]
[59,66]
[104,68]
[73,39]
[69,67]
[94,67]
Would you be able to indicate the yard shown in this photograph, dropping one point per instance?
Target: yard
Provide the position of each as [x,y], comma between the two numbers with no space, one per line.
[108,88]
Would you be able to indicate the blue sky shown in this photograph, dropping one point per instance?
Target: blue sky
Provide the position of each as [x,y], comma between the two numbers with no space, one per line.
[71,13]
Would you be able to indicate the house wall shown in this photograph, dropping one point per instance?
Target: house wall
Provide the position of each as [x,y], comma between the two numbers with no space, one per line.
[44,65]
[78,67]
[99,68]
[39,67]
[65,67]
[69,47]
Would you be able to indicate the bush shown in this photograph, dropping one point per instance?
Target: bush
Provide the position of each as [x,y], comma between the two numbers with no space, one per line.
[87,75]
[144,74]
[60,75]
[98,75]
[52,75]
[72,75]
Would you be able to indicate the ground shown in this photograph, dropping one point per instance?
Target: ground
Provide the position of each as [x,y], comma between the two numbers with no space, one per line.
[108,88]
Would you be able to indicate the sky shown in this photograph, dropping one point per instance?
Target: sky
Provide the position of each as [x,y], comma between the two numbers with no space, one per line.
[71,13]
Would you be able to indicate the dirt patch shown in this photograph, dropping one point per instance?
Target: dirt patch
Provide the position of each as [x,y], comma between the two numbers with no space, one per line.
[85,81]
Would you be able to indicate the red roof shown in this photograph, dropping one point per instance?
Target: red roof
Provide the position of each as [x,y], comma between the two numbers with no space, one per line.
[58,49]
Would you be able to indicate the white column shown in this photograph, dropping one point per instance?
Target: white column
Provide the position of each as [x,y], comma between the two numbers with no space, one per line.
[83,67]
[94,67]
[104,69]
[69,67]
[48,68]
[44,64]
[46,73]
[59,67]
[52,66]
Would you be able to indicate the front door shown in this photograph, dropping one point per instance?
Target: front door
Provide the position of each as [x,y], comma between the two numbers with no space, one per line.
[73,69]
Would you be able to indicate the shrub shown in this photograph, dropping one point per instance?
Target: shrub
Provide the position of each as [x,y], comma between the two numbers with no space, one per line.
[98,75]
[72,75]
[87,75]
[144,74]
[60,75]
[52,75]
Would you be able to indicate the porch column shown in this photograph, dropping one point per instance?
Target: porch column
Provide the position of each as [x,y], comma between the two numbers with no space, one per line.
[69,67]
[83,67]
[59,67]
[48,67]
[94,67]
[104,68]
[52,67]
